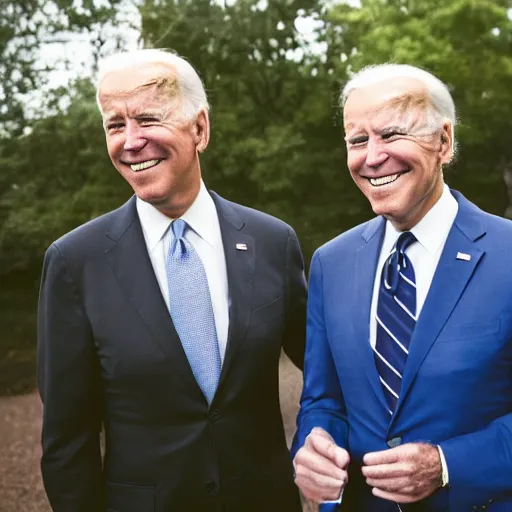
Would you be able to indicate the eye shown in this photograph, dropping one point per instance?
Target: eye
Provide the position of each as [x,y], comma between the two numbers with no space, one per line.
[358,141]
[148,120]
[391,134]
[114,126]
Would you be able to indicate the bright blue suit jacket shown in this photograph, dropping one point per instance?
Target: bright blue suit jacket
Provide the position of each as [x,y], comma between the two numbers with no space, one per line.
[457,385]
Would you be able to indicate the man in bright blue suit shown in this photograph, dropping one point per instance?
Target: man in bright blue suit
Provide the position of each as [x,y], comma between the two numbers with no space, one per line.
[407,400]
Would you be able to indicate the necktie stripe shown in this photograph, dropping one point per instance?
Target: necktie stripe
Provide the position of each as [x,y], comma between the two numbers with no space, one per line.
[407,280]
[393,381]
[386,385]
[396,358]
[396,319]
[387,363]
[392,336]
[404,307]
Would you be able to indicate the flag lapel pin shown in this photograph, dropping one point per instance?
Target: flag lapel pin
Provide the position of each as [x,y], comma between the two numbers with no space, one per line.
[463,256]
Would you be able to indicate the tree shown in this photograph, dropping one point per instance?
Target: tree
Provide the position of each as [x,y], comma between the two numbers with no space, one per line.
[26,26]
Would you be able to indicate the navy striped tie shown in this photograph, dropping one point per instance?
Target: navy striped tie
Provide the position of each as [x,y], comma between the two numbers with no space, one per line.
[396,319]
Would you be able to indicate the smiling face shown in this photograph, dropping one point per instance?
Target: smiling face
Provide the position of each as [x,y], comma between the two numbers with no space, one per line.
[394,154]
[149,142]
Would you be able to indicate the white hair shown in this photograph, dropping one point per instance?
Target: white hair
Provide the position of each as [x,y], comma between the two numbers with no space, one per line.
[189,82]
[441,101]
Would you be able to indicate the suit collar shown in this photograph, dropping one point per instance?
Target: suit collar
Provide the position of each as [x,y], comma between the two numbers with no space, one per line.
[373,227]
[122,219]
[240,266]
[469,219]
[227,211]
[451,278]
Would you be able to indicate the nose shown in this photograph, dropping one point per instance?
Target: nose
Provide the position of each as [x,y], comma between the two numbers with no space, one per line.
[375,155]
[134,140]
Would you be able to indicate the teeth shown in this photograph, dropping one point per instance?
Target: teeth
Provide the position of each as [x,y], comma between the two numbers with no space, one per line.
[377,182]
[143,165]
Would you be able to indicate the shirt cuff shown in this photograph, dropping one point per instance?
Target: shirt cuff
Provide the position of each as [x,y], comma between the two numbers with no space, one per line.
[444,466]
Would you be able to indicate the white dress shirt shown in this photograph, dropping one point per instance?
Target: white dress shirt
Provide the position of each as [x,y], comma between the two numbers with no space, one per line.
[205,237]
[431,233]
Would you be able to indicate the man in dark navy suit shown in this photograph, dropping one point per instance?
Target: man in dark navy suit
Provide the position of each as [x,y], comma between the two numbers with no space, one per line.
[163,321]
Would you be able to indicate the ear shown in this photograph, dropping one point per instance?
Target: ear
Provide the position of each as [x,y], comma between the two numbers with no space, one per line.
[201,131]
[446,149]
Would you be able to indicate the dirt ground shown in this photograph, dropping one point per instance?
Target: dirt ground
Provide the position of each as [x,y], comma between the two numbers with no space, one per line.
[21,489]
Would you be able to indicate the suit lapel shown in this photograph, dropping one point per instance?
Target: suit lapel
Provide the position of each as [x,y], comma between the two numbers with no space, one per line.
[450,280]
[130,263]
[367,258]
[240,266]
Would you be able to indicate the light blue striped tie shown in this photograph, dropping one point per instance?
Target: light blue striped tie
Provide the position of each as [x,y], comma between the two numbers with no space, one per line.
[191,310]
[396,319]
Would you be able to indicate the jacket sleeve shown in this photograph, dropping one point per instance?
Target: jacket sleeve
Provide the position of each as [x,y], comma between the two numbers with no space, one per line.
[322,403]
[480,465]
[69,385]
[295,320]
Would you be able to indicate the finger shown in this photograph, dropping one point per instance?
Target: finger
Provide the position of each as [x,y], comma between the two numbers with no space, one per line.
[319,431]
[313,494]
[386,471]
[394,496]
[383,457]
[398,485]
[310,459]
[329,449]
[318,487]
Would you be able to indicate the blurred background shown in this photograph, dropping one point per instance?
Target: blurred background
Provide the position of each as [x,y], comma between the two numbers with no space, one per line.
[273,70]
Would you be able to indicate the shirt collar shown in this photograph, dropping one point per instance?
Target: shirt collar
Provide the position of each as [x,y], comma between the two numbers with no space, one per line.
[200,217]
[432,231]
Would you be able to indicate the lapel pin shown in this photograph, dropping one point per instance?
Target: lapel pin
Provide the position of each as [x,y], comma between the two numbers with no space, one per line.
[241,247]
[463,256]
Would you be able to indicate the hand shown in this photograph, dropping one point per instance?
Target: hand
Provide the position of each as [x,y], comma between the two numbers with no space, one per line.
[321,467]
[405,474]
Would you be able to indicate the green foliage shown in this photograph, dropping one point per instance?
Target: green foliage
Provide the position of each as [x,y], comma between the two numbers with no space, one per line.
[25,26]
[58,176]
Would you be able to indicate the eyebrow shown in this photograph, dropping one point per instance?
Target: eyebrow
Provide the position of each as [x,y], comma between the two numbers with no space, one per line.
[109,117]
[148,112]
[392,128]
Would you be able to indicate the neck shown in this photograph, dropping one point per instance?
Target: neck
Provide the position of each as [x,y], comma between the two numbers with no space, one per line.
[180,201]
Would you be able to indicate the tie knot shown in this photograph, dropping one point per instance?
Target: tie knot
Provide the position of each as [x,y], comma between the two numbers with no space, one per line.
[397,260]
[404,241]
[178,228]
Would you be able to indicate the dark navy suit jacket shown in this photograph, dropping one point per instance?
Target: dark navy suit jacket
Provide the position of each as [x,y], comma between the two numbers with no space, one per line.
[108,354]
[457,385]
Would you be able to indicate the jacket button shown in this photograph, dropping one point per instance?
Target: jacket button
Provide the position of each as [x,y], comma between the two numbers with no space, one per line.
[214,415]
[393,443]
[211,487]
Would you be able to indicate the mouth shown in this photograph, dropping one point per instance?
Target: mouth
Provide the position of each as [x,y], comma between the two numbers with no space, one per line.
[385,180]
[142,166]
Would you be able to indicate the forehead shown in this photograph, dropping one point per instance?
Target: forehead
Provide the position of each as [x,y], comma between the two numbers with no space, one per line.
[385,101]
[149,82]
